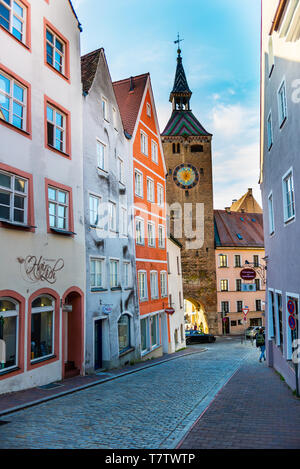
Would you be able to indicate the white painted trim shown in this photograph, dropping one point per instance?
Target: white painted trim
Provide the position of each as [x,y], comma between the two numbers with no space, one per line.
[151,260]
[151,170]
[148,128]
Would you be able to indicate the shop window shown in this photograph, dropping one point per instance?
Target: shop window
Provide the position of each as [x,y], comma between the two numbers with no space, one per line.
[9,330]
[42,328]
[144,335]
[124,333]
[233,323]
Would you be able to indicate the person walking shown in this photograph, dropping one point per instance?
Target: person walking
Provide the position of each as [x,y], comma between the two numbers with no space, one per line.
[260,342]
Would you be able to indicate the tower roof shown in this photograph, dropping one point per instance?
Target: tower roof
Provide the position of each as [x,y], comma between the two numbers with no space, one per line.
[184,123]
[181,87]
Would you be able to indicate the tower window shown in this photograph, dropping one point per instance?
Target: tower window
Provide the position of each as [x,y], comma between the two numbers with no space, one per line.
[196,148]
[176,147]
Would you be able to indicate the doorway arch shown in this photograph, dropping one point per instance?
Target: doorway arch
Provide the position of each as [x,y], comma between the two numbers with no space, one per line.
[73,332]
[195,315]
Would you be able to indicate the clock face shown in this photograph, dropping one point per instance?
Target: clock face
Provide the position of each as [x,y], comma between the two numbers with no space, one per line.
[186,176]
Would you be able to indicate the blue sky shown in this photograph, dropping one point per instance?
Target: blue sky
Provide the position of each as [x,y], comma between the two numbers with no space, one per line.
[221,56]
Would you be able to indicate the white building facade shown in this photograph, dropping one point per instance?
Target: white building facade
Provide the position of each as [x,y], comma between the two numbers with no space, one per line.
[42,280]
[112,332]
[280,179]
[176,326]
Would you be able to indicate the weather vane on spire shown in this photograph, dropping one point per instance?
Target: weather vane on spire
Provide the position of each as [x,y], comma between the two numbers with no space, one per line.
[178,42]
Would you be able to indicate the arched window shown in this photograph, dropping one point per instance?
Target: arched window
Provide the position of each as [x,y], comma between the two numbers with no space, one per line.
[9,327]
[124,333]
[42,328]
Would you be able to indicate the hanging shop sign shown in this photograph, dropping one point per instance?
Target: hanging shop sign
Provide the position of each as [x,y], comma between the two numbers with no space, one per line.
[106,309]
[169,310]
[37,269]
[248,274]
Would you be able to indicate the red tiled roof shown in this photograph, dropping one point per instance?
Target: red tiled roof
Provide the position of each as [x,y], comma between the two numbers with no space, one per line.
[249,226]
[89,64]
[129,94]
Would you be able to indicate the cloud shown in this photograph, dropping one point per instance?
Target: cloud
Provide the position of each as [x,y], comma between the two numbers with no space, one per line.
[235,152]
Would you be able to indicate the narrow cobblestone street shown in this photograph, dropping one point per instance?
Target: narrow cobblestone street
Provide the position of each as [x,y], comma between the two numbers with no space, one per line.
[115,415]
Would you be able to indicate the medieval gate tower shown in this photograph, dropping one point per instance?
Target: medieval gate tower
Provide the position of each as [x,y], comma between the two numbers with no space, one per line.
[187,150]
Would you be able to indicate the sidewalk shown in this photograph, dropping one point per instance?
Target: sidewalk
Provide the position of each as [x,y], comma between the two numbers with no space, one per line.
[18,400]
[254,410]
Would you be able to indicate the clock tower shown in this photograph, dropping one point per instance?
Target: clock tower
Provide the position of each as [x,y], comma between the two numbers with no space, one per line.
[187,151]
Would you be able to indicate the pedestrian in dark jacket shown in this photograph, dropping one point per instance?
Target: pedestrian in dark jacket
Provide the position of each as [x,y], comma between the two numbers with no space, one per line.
[260,342]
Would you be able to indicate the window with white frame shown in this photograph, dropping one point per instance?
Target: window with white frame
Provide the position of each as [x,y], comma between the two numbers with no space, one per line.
[127,274]
[144,335]
[223,260]
[282,103]
[144,143]
[225,307]
[56,51]
[58,201]
[56,128]
[9,333]
[97,268]
[101,155]
[123,221]
[112,213]
[161,236]
[142,279]
[139,231]
[154,151]
[13,198]
[288,197]
[154,330]
[42,328]
[114,273]
[148,109]
[138,182]
[151,234]
[150,190]
[224,285]
[163,285]
[154,285]
[13,16]
[94,205]
[160,195]
[270,131]
[13,101]
[271,214]
[104,105]
[121,170]
[239,306]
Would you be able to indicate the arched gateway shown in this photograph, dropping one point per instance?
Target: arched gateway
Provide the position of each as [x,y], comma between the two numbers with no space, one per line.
[187,150]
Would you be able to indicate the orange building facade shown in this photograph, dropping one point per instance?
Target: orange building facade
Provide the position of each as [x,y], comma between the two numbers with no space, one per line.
[136,102]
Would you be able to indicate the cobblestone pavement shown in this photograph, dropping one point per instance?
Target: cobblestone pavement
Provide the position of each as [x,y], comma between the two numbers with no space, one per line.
[153,408]
[254,410]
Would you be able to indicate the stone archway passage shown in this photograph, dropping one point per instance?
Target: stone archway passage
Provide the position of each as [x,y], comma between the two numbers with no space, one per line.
[195,315]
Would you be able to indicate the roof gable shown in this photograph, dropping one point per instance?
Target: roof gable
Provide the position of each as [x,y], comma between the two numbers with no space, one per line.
[184,123]
[129,94]
[89,65]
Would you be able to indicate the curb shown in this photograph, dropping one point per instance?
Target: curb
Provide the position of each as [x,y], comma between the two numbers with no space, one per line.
[89,385]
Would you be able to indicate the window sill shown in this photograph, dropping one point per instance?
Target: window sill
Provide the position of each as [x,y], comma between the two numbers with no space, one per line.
[122,188]
[15,38]
[97,290]
[128,289]
[17,226]
[58,72]
[125,352]
[282,123]
[11,370]
[289,220]
[116,288]
[102,172]
[271,71]
[16,129]
[62,232]
[41,360]
[55,150]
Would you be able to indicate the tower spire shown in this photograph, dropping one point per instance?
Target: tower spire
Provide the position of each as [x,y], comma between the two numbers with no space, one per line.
[181,94]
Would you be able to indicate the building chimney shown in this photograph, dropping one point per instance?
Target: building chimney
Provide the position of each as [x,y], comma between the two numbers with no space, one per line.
[234,200]
[227,209]
[250,191]
[131,84]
